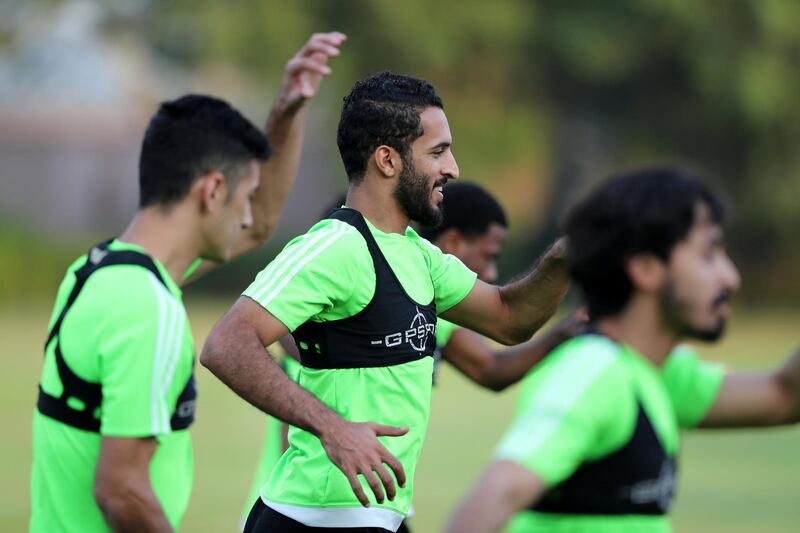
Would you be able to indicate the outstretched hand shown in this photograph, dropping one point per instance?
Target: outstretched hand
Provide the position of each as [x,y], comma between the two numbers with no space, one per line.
[304,71]
[356,450]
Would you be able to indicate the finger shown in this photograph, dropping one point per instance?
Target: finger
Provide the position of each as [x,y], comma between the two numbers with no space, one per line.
[333,38]
[357,490]
[395,465]
[311,64]
[387,481]
[319,47]
[388,431]
[374,484]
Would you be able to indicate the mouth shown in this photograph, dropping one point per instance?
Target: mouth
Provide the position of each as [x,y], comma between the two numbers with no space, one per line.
[722,303]
[438,186]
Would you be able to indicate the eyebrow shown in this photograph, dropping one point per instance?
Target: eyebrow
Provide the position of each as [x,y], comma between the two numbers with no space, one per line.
[443,144]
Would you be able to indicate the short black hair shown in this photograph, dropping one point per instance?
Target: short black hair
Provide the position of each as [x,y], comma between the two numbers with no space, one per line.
[382,109]
[469,208]
[649,209]
[189,137]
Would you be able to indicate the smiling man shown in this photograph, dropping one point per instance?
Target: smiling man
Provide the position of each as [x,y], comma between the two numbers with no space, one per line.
[595,440]
[360,291]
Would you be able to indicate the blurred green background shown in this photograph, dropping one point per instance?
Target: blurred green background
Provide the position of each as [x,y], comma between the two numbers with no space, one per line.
[544,97]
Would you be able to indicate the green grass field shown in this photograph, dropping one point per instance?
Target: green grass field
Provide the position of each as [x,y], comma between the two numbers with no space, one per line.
[738,481]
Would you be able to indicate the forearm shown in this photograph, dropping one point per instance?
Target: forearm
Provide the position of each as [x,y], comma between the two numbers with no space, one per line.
[504,489]
[531,300]
[483,511]
[478,516]
[131,506]
[237,357]
[284,130]
[511,364]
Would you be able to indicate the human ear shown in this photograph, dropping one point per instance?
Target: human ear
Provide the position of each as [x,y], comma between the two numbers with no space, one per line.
[646,271]
[387,161]
[212,191]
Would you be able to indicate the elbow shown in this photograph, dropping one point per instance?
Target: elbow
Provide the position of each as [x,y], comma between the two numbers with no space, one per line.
[111,497]
[211,355]
[511,336]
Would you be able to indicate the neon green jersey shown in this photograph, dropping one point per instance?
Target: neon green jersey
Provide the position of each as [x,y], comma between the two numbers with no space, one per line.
[129,333]
[328,274]
[444,330]
[581,404]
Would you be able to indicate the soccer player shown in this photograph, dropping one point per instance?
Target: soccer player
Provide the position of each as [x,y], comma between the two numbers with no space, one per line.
[595,440]
[360,292]
[111,448]
[473,229]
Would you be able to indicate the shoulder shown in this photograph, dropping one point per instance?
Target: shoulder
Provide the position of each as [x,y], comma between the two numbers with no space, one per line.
[586,366]
[124,290]
[326,238]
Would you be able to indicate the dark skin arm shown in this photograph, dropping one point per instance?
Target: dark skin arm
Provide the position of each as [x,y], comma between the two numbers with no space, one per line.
[235,353]
[122,486]
[758,399]
[498,369]
[514,312]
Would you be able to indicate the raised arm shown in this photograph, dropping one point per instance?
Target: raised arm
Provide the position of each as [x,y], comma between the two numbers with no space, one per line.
[284,130]
[504,489]
[498,369]
[758,398]
[512,313]
[235,353]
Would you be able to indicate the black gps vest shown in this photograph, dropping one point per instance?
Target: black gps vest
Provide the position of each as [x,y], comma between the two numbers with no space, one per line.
[90,394]
[392,329]
[637,479]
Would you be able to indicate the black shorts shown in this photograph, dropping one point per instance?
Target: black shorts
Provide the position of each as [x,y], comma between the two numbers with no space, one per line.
[263,519]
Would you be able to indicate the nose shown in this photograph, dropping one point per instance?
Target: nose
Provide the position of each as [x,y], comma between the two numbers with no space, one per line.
[732,277]
[450,167]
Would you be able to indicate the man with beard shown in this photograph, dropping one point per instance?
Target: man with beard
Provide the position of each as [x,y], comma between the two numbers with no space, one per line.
[360,291]
[594,442]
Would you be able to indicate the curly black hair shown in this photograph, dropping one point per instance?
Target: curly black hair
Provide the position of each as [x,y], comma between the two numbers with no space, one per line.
[382,109]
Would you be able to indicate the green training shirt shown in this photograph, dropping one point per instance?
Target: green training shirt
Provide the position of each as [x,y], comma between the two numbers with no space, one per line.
[444,330]
[581,403]
[129,333]
[328,274]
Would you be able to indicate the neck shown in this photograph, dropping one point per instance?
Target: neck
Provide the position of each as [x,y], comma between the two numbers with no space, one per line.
[164,236]
[640,325]
[374,198]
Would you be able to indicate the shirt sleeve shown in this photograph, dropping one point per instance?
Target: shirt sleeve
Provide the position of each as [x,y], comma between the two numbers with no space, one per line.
[569,411]
[693,385]
[315,274]
[143,364]
[452,280]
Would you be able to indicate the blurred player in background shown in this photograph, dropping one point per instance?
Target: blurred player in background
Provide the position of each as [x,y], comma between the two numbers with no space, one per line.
[595,440]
